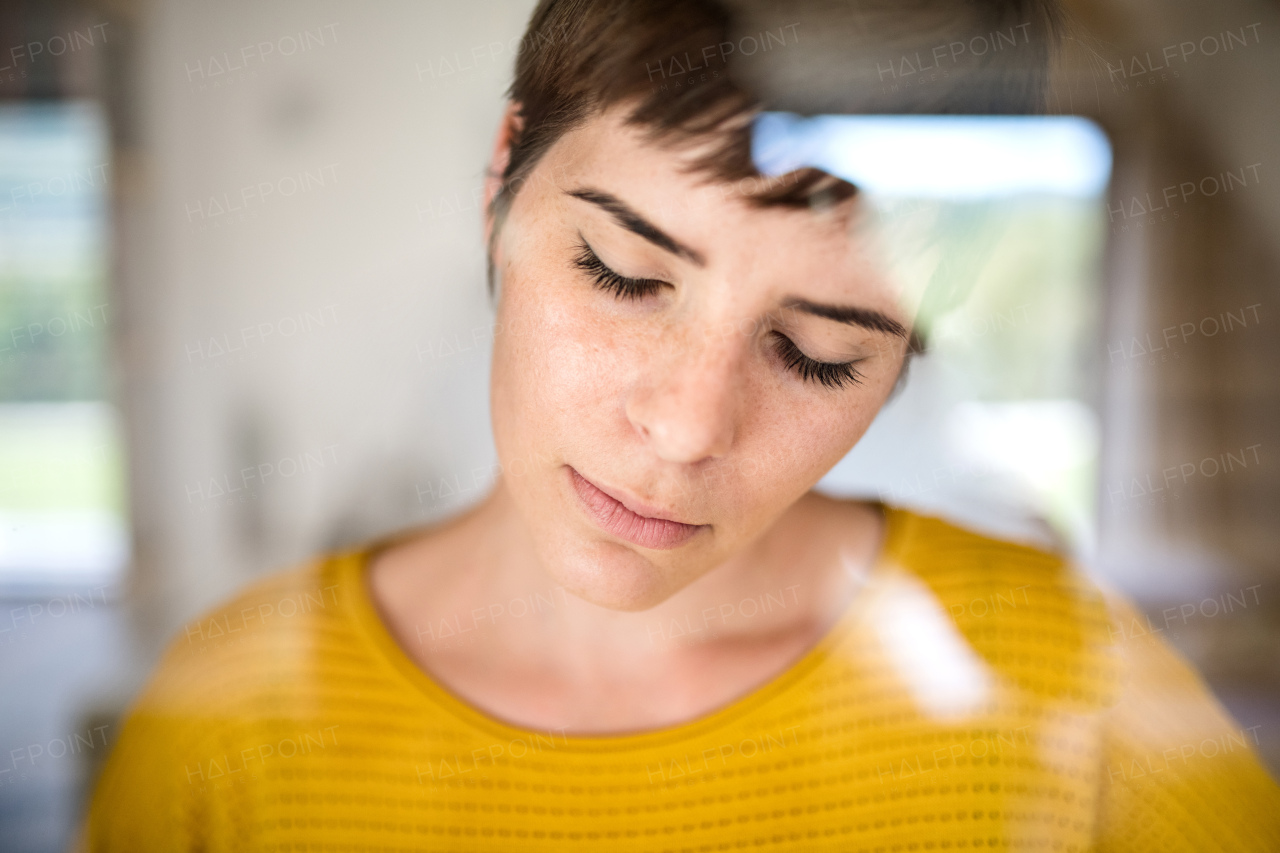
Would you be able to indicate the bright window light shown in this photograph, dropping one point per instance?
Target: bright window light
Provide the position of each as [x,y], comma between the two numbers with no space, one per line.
[996,226]
[957,157]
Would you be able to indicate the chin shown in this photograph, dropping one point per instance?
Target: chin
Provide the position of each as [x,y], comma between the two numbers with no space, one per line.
[611,575]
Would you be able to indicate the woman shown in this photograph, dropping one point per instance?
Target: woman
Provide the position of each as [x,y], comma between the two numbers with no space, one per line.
[652,635]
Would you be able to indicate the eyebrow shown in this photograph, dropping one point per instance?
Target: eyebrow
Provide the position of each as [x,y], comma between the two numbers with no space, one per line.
[637,224]
[865,317]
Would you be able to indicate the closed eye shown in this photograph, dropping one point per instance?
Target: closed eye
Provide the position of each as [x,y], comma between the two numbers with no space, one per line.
[626,289]
[828,373]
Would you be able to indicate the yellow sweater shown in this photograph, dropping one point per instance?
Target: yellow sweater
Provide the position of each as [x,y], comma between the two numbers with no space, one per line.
[976,695]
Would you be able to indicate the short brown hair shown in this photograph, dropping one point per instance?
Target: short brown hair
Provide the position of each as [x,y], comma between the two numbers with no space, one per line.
[581,56]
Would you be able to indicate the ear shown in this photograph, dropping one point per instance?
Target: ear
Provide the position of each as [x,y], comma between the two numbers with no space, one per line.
[508,131]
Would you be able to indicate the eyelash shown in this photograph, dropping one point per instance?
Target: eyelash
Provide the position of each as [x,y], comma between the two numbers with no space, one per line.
[628,289]
[826,373]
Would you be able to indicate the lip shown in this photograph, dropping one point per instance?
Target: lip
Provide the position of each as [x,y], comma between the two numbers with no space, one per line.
[630,520]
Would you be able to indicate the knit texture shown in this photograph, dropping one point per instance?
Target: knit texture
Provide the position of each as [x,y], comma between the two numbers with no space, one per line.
[976,695]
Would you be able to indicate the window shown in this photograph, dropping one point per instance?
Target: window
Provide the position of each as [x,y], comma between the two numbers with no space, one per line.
[1000,224]
[62,504]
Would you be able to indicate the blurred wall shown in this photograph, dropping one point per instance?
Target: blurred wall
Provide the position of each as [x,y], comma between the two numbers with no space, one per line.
[1188,490]
[1187,382]
[305,343]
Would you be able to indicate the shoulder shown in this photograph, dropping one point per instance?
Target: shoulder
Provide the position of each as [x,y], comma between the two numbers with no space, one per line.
[228,681]
[968,570]
[273,634]
[1034,617]
[273,608]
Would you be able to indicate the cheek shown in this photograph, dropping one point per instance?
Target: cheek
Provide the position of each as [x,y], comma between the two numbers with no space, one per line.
[797,438]
[844,422]
[558,367]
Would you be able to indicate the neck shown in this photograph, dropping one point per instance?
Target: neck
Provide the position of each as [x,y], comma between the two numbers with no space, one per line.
[480,576]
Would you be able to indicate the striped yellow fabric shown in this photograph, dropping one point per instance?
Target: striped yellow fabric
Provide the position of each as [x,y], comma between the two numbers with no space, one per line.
[976,695]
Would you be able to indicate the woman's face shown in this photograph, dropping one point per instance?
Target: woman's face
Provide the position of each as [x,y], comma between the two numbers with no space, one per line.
[674,367]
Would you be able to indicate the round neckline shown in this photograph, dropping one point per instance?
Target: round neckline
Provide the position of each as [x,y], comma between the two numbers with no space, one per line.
[353,573]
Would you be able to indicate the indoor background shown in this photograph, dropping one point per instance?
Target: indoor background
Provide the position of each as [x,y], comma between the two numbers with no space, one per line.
[243,321]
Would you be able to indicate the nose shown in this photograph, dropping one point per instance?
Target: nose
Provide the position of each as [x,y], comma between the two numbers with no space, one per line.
[686,404]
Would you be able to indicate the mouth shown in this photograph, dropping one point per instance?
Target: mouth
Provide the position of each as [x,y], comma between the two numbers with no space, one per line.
[616,517]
